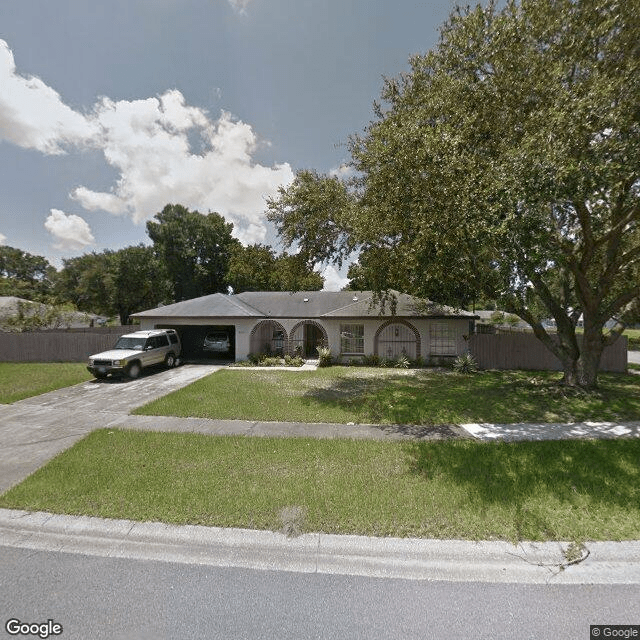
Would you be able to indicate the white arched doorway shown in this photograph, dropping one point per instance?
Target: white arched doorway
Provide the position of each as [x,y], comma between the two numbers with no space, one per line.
[306,337]
[268,337]
[397,338]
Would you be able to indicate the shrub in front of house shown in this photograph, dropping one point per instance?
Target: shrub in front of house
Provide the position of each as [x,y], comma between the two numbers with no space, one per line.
[293,361]
[465,363]
[402,362]
[324,357]
[418,363]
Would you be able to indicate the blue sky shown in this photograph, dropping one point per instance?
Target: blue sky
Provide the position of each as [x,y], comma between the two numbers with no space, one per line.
[110,110]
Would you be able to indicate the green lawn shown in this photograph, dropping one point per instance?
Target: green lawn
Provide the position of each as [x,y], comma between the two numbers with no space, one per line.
[567,490]
[19,380]
[634,339]
[391,396]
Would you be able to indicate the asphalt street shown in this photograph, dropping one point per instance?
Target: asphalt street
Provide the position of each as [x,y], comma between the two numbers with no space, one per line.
[118,599]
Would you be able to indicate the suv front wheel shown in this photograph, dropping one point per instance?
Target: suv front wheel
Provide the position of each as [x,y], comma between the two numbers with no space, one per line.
[133,371]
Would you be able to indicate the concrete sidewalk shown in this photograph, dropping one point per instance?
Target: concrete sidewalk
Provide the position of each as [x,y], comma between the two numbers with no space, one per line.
[552,431]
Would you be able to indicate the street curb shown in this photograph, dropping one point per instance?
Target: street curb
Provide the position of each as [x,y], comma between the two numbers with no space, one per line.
[401,558]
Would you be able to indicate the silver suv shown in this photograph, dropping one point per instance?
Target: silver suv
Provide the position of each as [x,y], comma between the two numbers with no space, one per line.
[217,342]
[135,351]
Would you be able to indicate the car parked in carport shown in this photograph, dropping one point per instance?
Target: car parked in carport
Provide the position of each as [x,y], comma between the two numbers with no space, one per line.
[136,351]
[217,342]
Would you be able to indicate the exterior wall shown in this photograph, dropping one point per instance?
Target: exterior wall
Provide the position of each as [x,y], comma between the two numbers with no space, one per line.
[372,326]
[245,329]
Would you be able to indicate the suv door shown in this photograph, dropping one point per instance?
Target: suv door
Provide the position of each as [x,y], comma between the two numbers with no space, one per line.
[155,350]
[161,349]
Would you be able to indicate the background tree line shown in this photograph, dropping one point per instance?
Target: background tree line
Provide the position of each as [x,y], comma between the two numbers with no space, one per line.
[191,255]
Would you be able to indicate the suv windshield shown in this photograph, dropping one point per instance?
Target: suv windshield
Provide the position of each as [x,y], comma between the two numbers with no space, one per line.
[127,342]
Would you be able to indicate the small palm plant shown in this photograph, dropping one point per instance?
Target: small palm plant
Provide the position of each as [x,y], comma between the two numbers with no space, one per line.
[324,357]
[465,363]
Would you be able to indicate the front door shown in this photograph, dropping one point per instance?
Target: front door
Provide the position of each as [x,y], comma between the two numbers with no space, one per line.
[312,340]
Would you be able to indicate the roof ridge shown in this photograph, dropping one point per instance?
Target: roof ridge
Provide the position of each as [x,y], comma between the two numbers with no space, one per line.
[369,295]
[246,304]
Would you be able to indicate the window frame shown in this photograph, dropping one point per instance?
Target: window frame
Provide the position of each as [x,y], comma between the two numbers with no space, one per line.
[354,344]
[442,339]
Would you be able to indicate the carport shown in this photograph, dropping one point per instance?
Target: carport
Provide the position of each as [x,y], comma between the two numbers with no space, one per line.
[192,337]
[198,318]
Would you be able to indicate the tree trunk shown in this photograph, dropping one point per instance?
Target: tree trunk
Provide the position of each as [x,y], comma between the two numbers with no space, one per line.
[583,370]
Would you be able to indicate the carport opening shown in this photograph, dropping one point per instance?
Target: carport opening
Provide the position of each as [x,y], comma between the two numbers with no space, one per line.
[206,342]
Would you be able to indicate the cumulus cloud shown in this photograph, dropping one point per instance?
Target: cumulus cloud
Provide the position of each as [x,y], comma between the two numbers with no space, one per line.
[149,143]
[33,116]
[240,5]
[3,238]
[333,281]
[72,232]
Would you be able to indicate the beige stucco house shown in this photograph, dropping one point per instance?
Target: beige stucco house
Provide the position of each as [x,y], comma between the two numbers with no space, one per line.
[350,323]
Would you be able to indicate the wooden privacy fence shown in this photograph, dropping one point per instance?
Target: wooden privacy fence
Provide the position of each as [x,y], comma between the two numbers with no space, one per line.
[525,351]
[58,345]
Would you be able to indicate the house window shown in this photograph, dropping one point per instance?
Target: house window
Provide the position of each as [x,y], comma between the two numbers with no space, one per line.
[442,339]
[352,338]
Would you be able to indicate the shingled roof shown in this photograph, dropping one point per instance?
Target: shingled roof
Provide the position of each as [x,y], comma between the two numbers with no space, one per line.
[303,304]
[216,304]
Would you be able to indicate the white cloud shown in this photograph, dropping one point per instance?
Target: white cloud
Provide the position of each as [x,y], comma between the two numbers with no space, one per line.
[148,142]
[3,239]
[333,281]
[32,115]
[344,172]
[240,5]
[72,232]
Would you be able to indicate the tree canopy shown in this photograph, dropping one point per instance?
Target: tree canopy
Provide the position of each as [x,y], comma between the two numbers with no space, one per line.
[114,282]
[195,249]
[505,163]
[25,275]
[257,268]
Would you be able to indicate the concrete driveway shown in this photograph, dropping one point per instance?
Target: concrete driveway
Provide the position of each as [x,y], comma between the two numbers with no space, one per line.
[34,430]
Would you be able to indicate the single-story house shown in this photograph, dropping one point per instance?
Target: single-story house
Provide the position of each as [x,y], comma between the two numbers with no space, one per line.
[348,322]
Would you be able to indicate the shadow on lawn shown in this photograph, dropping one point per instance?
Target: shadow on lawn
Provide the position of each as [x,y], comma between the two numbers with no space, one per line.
[605,472]
[429,397]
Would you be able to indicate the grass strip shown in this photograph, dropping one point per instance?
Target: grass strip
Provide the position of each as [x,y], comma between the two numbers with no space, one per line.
[391,396]
[634,339]
[563,490]
[19,380]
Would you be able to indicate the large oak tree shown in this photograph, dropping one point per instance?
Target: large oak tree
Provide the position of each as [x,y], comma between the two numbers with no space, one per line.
[114,282]
[508,160]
